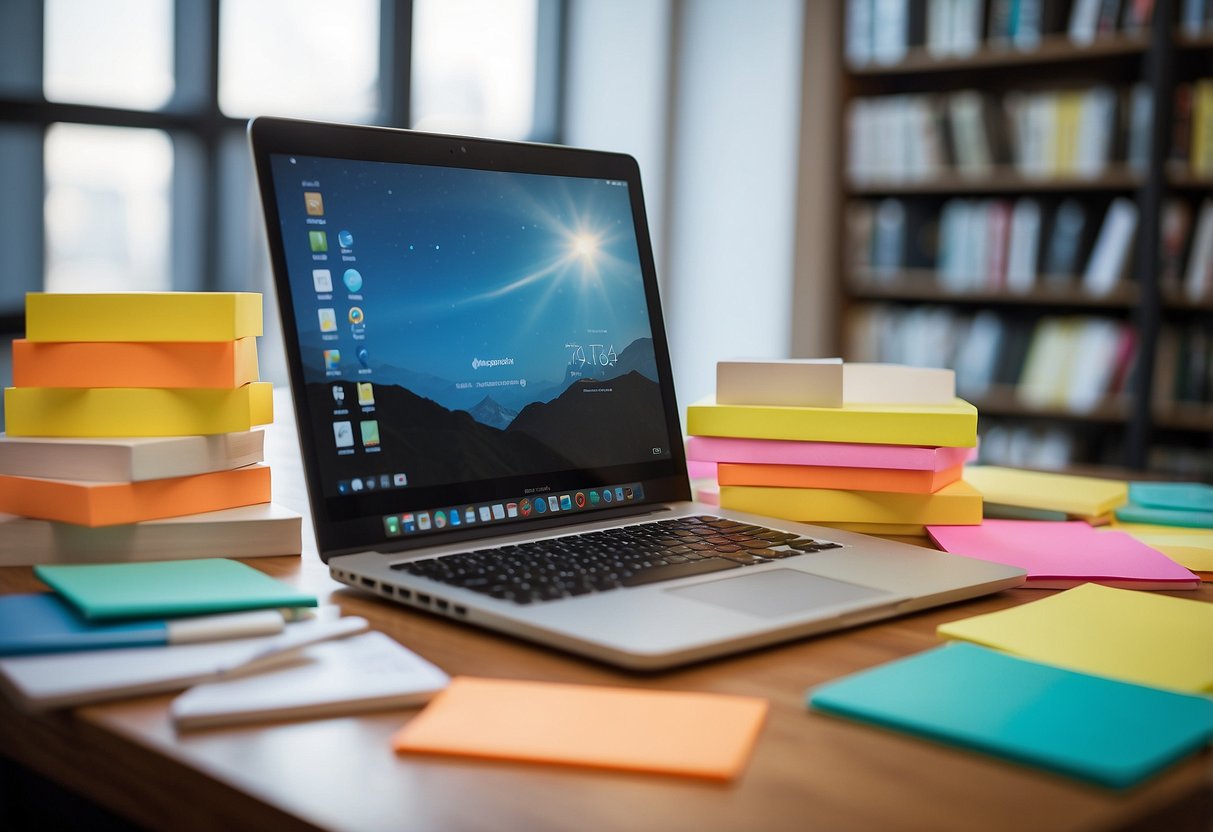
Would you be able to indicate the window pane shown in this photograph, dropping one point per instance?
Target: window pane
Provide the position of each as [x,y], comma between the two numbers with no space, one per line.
[474,66]
[118,53]
[309,58]
[107,208]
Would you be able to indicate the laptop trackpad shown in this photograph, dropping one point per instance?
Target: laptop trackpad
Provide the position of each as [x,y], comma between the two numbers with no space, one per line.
[778,592]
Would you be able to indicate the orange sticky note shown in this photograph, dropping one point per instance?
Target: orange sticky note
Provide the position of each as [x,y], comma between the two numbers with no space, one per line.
[693,734]
[212,364]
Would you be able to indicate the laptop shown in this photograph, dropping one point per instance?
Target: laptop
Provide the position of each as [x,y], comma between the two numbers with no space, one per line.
[486,409]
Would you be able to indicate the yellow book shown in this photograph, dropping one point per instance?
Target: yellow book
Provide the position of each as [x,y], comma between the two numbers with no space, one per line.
[142,316]
[136,411]
[1080,496]
[1202,127]
[1065,144]
[1123,633]
[957,504]
[950,425]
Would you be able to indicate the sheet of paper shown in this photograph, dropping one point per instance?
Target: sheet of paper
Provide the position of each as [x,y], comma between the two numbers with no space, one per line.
[1134,636]
[1055,552]
[1097,729]
[1086,496]
[694,734]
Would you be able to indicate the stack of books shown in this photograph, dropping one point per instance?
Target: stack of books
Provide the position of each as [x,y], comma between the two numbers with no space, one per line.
[872,448]
[130,432]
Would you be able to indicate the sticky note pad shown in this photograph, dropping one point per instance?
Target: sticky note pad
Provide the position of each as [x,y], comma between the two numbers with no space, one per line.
[692,734]
[142,316]
[1097,729]
[1135,636]
[1085,496]
[106,591]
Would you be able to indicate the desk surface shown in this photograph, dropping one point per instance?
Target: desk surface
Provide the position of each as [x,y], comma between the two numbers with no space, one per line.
[807,771]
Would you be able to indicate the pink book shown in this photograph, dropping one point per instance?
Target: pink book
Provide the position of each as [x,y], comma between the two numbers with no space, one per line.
[837,454]
[1062,555]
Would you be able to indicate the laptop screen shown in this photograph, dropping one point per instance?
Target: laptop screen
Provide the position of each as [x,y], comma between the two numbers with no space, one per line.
[475,346]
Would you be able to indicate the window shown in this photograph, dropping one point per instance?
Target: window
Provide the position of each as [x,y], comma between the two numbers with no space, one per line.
[124,120]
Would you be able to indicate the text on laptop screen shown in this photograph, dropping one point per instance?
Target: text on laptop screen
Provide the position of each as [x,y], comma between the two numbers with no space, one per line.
[460,326]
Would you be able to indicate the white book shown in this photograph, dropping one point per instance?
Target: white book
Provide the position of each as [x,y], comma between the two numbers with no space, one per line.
[1094,362]
[1110,257]
[977,252]
[792,382]
[1084,17]
[262,530]
[978,354]
[953,242]
[128,459]
[859,32]
[939,27]
[367,672]
[967,26]
[1023,249]
[1198,282]
[1096,127]
[897,384]
[890,30]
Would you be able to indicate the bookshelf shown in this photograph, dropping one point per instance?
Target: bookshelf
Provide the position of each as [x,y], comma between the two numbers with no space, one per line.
[1029,203]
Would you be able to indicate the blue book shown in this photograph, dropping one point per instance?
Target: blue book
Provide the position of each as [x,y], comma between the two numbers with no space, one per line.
[44,623]
[1089,727]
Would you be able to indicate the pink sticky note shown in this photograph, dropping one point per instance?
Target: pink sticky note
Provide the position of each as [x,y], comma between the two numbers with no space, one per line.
[836,454]
[1060,555]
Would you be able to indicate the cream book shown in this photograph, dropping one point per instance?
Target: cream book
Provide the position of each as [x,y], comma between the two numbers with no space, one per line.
[368,672]
[262,530]
[130,458]
[828,382]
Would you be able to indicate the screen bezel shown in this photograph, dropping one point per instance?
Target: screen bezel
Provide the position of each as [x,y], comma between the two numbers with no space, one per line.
[663,481]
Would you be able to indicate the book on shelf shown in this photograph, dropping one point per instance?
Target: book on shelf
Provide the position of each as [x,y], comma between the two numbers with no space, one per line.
[1109,258]
[262,530]
[1198,278]
[129,458]
[1195,17]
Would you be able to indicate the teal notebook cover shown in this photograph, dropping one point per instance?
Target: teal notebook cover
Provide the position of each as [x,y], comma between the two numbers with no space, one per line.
[168,589]
[1090,727]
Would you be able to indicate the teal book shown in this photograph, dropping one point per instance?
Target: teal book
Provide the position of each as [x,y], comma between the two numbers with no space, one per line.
[1089,727]
[109,591]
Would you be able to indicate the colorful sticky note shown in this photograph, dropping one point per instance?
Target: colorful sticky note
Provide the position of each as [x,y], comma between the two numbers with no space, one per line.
[1134,636]
[1102,730]
[1085,496]
[694,734]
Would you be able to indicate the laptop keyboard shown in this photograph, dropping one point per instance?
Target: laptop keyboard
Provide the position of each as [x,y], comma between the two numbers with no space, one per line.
[578,564]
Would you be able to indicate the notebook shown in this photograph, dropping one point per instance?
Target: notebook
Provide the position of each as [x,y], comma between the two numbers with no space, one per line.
[478,361]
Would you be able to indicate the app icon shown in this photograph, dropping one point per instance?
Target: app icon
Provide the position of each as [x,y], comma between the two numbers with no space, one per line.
[486,514]
[511,509]
[455,518]
[619,495]
[345,238]
[400,480]
[338,395]
[541,505]
[366,393]
[364,357]
[352,280]
[343,435]
[408,523]
[391,525]
[566,502]
[332,359]
[371,483]
[579,499]
[343,487]
[356,485]
[356,316]
[439,519]
[318,240]
[639,491]
[469,515]
[606,494]
[423,520]
[385,481]
[370,433]
[314,203]
[524,506]
[322,280]
[498,511]
[328,319]
[594,498]
[628,493]
[554,503]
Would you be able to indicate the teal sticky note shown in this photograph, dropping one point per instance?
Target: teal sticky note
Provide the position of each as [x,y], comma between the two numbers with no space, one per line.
[1178,496]
[1090,727]
[1136,513]
[168,588]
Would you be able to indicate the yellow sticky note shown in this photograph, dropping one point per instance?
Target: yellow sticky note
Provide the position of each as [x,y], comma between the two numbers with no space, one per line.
[694,734]
[1084,496]
[1122,633]
[142,316]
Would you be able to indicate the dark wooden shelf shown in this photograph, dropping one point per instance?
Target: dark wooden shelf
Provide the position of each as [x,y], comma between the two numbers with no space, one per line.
[1002,180]
[1005,401]
[1185,416]
[1178,176]
[923,286]
[1202,41]
[1053,49]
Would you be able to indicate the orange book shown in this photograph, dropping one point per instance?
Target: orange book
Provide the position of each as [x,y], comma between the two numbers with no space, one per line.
[851,479]
[632,729]
[112,503]
[226,364]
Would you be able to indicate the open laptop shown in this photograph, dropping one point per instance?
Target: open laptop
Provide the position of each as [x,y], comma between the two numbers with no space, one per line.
[486,409]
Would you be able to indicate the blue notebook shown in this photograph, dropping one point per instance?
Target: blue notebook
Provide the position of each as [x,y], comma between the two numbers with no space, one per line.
[45,623]
[1090,727]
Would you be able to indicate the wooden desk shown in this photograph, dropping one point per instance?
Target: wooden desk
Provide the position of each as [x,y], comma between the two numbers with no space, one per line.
[808,771]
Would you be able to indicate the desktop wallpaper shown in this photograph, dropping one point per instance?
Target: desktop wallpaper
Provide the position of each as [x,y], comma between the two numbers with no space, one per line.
[460,324]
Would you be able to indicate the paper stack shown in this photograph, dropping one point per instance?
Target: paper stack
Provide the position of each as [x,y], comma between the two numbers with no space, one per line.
[874,448]
[130,408]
